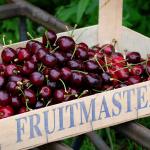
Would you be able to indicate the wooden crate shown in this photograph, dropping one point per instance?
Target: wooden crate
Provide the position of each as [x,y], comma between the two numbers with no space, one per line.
[89,113]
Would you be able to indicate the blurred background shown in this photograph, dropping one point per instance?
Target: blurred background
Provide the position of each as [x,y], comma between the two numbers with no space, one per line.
[136,15]
[82,12]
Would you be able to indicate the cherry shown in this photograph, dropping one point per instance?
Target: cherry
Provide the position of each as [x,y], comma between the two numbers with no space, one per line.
[23,54]
[49,37]
[39,104]
[49,60]
[15,102]
[11,69]
[137,70]
[65,43]
[108,49]
[2,81]
[73,93]
[106,77]
[6,112]
[12,87]
[93,80]
[91,66]
[75,64]
[118,59]
[33,46]
[133,57]
[34,59]
[4,98]
[59,95]
[77,79]
[133,80]
[45,92]
[28,67]
[8,55]
[52,85]
[81,53]
[22,110]
[91,53]
[68,56]
[120,85]
[60,58]
[84,45]
[40,53]
[148,67]
[37,78]
[2,69]
[66,74]
[29,97]
[15,78]
[54,74]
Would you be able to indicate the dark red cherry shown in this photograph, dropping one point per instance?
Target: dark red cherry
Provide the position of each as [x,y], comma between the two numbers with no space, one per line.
[54,74]
[91,53]
[120,85]
[137,70]
[29,97]
[15,102]
[81,53]
[37,78]
[59,95]
[91,66]
[45,92]
[2,68]
[8,55]
[2,81]
[23,54]
[39,104]
[77,79]
[72,93]
[60,58]
[93,80]
[106,77]
[133,57]
[84,45]
[65,43]
[6,112]
[49,60]
[22,110]
[117,58]
[66,74]
[75,65]
[148,67]
[40,53]
[15,78]
[11,69]
[133,80]
[122,73]
[33,46]
[28,67]
[49,37]
[34,59]
[12,87]
[52,85]
[68,56]
[108,49]
[4,98]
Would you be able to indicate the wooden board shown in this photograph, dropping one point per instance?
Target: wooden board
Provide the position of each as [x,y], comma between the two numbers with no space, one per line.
[83,115]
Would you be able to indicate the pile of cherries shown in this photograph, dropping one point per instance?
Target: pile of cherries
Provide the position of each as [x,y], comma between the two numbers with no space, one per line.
[58,70]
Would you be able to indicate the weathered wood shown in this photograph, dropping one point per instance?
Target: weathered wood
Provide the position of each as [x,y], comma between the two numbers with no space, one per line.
[8,11]
[136,132]
[97,141]
[110,20]
[40,16]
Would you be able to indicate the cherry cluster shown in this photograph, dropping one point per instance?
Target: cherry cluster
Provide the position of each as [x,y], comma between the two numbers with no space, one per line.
[58,69]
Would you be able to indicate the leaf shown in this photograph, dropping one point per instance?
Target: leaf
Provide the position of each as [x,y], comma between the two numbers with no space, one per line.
[82,5]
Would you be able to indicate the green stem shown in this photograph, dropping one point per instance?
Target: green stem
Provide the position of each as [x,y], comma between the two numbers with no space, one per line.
[98,63]
[28,108]
[31,37]
[75,26]
[84,92]
[54,49]
[80,71]
[74,52]
[49,102]
[4,43]
[63,85]
[41,65]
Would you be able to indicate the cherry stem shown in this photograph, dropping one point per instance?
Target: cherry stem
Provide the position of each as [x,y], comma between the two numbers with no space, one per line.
[30,36]
[83,93]
[48,43]
[74,52]
[113,79]
[46,77]
[75,26]
[98,63]
[97,90]
[4,43]
[76,95]
[63,85]
[21,91]
[30,86]
[41,65]
[54,49]
[49,102]
[28,108]
[80,71]
[106,62]
[115,42]
[122,69]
